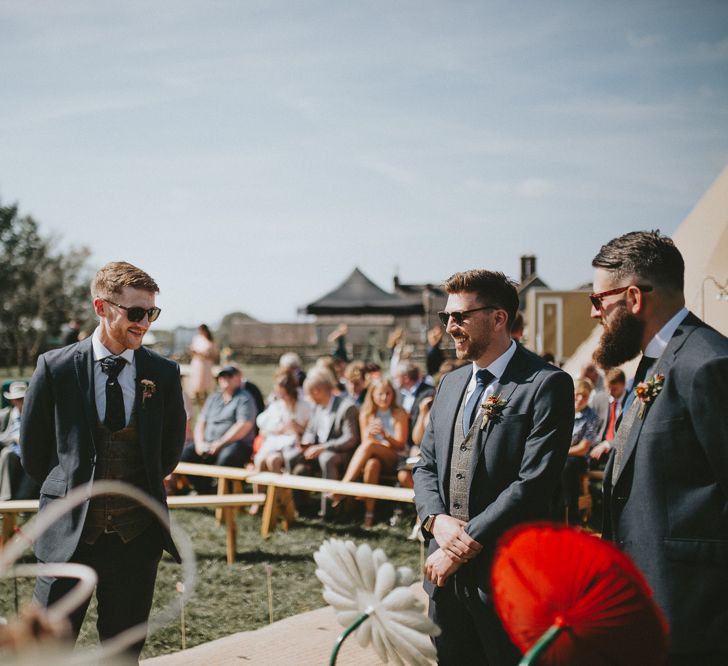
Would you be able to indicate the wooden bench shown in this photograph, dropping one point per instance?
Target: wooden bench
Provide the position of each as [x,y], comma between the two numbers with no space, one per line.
[228,503]
[279,498]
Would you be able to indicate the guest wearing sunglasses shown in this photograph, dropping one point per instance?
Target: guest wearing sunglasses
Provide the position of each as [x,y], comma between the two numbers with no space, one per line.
[666,482]
[491,458]
[106,408]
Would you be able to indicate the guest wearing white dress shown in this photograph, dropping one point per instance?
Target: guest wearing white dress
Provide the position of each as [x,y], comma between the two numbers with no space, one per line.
[281,425]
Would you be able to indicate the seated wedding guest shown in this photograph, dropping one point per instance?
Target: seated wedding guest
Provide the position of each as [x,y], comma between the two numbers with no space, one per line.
[281,425]
[599,398]
[292,362]
[412,390]
[355,381]
[335,369]
[224,430]
[331,435]
[583,437]
[616,387]
[14,482]
[384,426]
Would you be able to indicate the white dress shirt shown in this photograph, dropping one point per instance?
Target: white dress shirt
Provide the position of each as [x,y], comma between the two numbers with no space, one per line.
[657,345]
[127,378]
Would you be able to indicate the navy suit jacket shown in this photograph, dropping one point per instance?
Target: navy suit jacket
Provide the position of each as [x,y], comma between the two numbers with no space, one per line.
[668,508]
[517,460]
[58,429]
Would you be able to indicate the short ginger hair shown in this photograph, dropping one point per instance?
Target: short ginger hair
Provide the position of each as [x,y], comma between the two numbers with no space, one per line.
[111,279]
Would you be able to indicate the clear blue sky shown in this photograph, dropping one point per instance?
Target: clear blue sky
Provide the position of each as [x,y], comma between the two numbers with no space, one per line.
[250,154]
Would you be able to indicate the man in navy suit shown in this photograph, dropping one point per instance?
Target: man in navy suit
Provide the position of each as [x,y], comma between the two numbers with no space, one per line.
[666,482]
[106,408]
[491,458]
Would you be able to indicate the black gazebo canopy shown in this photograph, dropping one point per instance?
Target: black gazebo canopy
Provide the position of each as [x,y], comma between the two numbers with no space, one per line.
[358,295]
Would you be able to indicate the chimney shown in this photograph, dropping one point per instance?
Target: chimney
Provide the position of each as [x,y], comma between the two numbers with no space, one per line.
[528,267]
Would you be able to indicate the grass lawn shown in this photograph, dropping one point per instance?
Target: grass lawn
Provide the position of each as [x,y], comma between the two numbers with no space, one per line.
[232,598]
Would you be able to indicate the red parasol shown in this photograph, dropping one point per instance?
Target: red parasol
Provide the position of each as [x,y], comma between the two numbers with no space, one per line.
[585,594]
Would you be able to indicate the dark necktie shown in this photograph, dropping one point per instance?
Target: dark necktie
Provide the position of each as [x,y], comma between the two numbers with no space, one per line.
[646,362]
[115,417]
[482,378]
[629,414]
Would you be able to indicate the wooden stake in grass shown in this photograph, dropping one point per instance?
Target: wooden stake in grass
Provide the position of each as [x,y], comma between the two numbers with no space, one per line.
[268,573]
[180,589]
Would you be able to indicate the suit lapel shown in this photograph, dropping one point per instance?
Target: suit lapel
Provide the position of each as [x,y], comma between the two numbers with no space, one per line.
[83,361]
[665,362]
[334,415]
[511,379]
[141,361]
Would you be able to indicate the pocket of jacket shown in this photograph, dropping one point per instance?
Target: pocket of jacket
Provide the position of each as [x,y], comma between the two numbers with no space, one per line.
[707,551]
[53,487]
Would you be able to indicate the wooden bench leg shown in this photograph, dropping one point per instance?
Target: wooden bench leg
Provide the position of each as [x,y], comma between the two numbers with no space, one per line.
[270,512]
[221,490]
[231,533]
[8,528]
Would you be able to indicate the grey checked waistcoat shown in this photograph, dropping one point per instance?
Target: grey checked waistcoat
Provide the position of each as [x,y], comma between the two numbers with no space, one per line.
[118,457]
[460,461]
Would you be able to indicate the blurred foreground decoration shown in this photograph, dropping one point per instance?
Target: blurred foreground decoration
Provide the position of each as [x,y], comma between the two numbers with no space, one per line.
[48,623]
[373,599]
[571,598]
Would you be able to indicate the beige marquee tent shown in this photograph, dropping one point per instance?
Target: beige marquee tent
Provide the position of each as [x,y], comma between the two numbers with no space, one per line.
[703,241]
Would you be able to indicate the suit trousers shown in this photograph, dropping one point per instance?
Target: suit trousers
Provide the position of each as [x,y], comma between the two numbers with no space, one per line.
[471,630]
[127,573]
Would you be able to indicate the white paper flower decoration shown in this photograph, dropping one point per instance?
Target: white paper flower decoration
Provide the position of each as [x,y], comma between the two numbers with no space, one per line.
[360,581]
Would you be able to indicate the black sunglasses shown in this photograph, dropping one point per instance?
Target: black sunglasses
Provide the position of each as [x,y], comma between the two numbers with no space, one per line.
[136,313]
[596,299]
[459,316]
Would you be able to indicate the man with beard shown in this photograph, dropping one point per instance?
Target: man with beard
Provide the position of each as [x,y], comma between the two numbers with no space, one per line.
[491,458]
[666,485]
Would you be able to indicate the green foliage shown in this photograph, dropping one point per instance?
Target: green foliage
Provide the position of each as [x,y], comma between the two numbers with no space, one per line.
[40,287]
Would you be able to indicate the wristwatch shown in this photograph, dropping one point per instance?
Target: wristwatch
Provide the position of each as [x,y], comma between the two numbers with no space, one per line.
[429,521]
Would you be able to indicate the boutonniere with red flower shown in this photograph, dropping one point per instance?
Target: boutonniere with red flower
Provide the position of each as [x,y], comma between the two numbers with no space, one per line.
[647,392]
[148,389]
[492,409]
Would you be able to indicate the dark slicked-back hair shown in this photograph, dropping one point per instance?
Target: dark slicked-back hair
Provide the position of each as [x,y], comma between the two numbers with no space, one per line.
[646,255]
[492,288]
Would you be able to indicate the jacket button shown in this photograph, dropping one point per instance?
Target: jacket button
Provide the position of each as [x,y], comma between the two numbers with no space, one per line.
[456,505]
[459,475]
[463,447]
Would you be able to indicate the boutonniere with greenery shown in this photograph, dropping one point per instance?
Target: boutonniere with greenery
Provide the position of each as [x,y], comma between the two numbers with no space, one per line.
[492,409]
[647,392]
[148,389]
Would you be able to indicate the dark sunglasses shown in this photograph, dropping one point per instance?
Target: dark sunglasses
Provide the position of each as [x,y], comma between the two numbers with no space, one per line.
[596,299]
[136,313]
[459,316]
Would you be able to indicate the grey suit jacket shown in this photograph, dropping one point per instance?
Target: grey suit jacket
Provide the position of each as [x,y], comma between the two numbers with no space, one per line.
[668,508]
[58,429]
[517,460]
[344,431]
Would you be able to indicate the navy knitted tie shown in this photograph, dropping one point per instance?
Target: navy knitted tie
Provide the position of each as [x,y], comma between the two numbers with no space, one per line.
[482,378]
[115,417]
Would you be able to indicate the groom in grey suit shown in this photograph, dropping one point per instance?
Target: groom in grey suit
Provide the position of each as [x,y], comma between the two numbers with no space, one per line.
[106,408]
[491,458]
[666,484]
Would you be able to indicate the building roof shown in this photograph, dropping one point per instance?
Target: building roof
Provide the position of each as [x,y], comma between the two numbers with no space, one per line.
[359,295]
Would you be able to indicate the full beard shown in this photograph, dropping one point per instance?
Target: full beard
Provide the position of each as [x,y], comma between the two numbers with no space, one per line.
[621,339]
